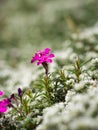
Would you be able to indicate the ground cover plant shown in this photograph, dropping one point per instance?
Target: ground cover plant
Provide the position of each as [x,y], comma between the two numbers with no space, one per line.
[49,65]
[68,99]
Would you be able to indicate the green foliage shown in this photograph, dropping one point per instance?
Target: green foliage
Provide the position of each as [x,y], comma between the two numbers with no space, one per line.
[27,109]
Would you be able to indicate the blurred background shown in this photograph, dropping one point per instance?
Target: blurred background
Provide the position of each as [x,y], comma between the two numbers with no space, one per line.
[68,27]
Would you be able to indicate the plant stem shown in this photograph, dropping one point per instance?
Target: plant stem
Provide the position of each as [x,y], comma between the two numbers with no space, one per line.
[47,88]
[45,65]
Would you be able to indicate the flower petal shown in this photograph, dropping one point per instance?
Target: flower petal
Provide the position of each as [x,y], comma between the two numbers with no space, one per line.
[49,60]
[1,93]
[3,109]
[51,55]
[39,62]
[47,50]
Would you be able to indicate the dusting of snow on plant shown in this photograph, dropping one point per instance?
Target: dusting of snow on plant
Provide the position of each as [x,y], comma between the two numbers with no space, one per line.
[65,96]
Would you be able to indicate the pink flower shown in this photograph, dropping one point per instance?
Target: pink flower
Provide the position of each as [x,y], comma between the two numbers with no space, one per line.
[4,103]
[1,93]
[3,107]
[43,56]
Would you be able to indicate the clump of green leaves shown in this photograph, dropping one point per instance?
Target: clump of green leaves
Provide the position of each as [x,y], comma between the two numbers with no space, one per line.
[26,108]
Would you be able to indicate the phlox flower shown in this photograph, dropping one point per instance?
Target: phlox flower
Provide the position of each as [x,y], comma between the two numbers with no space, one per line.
[43,56]
[3,108]
[4,103]
[19,92]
